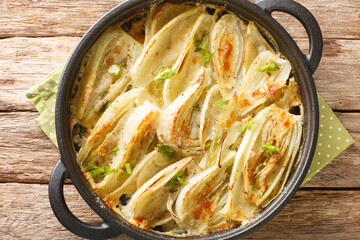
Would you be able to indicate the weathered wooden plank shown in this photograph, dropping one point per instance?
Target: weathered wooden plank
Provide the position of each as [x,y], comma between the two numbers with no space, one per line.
[73,18]
[26,212]
[309,215]
[332,16]
[51,18]
[337,77]
[28,156]
[337,73]
[24,61]
[315,215]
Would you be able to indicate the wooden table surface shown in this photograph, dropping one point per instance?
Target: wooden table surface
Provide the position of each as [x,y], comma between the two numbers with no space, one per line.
[38,35]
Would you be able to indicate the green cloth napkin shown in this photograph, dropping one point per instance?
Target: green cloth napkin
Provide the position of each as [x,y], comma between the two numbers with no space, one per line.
[333,137]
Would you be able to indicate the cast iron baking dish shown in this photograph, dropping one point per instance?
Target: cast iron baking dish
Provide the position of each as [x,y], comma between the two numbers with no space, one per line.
[260,12]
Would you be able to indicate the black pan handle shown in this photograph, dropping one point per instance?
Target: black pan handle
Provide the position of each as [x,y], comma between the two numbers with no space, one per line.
[307,20]
[63,213]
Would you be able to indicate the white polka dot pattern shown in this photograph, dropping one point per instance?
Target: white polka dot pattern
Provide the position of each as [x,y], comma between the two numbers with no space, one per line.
[331,131]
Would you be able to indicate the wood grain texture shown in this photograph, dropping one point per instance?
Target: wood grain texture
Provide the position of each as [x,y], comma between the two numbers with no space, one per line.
[51,17]
[28,156]
[338,74]
[38,35]
[332,17]
[74,18]
[24,61]
[309,215]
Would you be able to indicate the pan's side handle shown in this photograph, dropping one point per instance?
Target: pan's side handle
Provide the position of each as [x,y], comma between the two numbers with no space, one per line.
[65,216]
[309,22]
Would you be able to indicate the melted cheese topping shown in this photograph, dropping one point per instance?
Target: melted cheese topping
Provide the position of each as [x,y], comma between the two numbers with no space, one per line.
[186,128]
